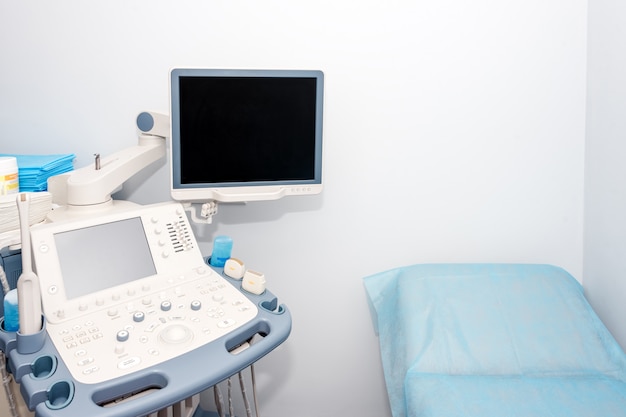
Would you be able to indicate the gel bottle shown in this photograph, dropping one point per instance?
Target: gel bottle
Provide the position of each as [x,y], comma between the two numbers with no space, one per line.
[11,315]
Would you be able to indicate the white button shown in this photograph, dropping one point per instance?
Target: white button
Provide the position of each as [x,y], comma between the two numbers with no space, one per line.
[91,370]
[85,361]
[152,326]
[129,363]
[226,323]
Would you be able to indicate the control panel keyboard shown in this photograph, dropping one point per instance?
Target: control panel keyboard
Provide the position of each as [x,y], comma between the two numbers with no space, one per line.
[144,328]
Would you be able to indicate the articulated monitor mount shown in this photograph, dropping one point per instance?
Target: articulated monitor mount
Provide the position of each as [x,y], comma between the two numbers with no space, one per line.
[89,188]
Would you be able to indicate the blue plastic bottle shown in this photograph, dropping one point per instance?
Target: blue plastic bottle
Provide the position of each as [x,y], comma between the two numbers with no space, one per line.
[222,247]
[11,314]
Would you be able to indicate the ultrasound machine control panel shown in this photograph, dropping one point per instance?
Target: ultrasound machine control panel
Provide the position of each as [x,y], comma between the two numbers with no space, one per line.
[130,306]
[167,301]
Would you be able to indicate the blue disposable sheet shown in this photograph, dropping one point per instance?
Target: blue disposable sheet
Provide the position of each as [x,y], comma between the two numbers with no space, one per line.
[34,170]
[493,340]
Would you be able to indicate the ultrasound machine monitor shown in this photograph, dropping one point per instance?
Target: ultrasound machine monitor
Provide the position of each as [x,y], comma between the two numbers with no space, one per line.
[245,135]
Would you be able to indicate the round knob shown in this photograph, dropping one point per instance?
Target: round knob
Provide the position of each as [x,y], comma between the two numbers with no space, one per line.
[139,316]
[122,335]
[196,305]
[166,306]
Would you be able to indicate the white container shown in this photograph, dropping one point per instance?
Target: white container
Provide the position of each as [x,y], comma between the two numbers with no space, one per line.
[9,180]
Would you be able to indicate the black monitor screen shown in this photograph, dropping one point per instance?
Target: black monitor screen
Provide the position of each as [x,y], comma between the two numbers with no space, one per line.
[237,129]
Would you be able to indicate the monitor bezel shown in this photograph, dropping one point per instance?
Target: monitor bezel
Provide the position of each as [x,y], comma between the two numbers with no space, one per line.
[241,191]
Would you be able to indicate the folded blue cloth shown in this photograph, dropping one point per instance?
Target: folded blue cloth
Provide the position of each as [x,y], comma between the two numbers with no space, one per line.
[34,170]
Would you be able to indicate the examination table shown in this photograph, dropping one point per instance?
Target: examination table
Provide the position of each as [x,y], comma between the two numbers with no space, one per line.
[493,340]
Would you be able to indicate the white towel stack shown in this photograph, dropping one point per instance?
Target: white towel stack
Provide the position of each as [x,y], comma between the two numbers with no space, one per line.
[40,206]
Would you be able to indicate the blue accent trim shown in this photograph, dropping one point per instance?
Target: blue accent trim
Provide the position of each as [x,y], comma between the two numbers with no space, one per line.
[145,121]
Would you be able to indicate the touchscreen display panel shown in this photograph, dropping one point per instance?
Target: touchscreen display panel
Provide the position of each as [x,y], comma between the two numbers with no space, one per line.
[103,256]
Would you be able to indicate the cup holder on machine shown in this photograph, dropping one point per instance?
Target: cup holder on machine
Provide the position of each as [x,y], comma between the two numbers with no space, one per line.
[60,394]
[43,367]
[272,306]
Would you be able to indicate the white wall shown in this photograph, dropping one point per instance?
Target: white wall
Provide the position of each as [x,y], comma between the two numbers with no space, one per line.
[454,132]
[605,195]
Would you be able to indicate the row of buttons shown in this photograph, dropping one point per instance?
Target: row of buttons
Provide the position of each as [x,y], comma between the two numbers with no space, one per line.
[131,293]
[80,335]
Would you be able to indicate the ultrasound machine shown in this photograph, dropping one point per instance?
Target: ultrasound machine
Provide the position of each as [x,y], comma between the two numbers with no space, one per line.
[121,315]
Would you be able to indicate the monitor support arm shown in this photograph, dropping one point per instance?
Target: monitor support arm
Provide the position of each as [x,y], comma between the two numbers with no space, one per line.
[92,186]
